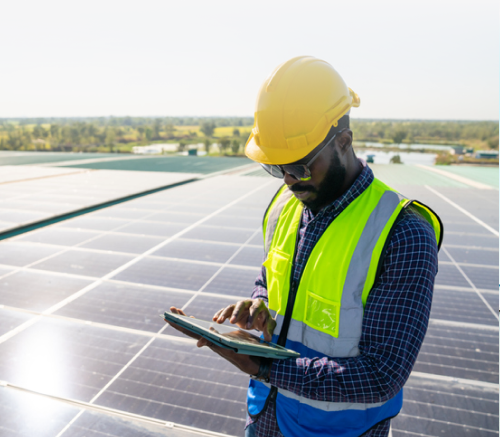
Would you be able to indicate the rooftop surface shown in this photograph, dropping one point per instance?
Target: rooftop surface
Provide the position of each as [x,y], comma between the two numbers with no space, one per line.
[91,255]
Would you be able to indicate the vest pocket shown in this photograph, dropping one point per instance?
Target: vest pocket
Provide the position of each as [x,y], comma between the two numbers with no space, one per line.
[277,267]
[322,314]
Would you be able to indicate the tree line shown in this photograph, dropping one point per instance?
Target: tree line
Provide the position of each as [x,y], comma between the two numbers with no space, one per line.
[121,133]
[482,134]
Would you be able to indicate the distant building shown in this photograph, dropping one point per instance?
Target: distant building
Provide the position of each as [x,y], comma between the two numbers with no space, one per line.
[486,154]
[154,149]
[457,150]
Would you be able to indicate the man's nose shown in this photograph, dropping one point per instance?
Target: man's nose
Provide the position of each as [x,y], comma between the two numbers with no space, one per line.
[289,180]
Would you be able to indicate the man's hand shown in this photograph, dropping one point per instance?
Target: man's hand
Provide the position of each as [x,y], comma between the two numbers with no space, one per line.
[248,314]
[179,328]
[245,363]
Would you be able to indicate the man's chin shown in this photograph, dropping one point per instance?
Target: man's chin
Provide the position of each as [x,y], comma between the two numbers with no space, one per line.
[303,196]
[310,201]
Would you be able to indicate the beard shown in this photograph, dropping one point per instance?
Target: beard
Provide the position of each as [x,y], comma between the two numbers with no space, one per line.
[329,190]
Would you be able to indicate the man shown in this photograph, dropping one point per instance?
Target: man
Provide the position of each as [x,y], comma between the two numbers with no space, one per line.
[348,273]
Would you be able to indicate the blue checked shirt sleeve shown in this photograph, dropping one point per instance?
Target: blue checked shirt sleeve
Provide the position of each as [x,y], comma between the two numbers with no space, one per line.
[394,324]
[260,288]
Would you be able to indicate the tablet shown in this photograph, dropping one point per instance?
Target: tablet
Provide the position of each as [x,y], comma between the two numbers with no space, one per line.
[231,337]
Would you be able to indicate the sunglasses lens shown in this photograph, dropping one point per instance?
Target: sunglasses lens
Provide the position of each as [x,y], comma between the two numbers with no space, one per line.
[273,170]
[299,172]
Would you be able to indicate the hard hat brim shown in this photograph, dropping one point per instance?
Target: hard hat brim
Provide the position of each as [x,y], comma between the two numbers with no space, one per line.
[267,155]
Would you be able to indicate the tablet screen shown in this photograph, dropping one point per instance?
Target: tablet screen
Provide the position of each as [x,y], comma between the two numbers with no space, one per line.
[232,333]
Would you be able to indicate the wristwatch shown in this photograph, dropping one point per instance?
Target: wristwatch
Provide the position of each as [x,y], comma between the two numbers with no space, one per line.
[264,370]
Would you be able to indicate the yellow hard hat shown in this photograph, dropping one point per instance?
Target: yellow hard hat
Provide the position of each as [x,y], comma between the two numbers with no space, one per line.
[296,107]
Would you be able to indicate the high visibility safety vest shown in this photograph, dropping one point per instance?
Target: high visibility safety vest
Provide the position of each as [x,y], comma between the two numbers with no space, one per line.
[322,317]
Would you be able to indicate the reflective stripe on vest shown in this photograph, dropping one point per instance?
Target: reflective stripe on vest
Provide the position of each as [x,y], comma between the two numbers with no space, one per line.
[328,311]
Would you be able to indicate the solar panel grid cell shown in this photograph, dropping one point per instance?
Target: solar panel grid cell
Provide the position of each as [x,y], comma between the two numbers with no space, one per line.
[233,282]
[11,319]
[448,274]
[249,256]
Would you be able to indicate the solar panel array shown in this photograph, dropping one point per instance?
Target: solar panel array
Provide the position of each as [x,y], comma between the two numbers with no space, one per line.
[102,279]
[79,306]
[453,390]
[39,193]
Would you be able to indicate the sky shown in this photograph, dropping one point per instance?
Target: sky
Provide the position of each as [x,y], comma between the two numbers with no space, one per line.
[407,59]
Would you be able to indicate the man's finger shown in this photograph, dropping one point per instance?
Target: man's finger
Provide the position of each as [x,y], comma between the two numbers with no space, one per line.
[239,311]
[269,329]
[177,311]
[204,342]
[225,314]
[217,314]
[253,312]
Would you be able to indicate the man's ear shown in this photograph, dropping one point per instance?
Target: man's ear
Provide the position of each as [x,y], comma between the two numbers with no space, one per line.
[344,140]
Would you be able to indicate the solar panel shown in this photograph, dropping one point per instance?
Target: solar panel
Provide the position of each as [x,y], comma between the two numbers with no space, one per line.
[60,358]
[233,282]
[58,236]
[462,306]
[153,228]
[31,200]
[219,234]
[186,385]
[123,243]
[456,353]
[83,262]
[27,415]
[249,256]
[11,319]
[176,217]
[198,250]
[21,253]
[94,223]
[448,274]
[433,408]
[37,290]
[168,273]
[482,277]
[125,305]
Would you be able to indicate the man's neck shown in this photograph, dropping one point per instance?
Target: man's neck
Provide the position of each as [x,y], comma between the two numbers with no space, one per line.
[353,170]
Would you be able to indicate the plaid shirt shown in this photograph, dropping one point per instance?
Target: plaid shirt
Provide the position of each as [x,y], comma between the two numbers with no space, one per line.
[394,322]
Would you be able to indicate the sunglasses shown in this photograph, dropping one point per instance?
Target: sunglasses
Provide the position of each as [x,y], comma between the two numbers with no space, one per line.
[301,172]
